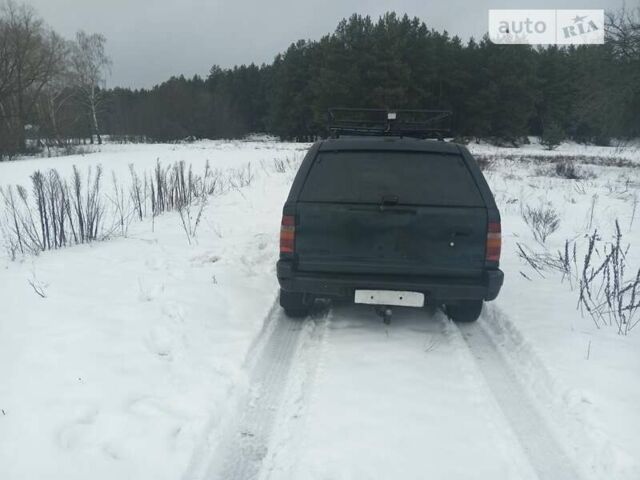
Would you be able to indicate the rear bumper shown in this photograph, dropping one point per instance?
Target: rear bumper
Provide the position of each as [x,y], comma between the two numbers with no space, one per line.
[436,289]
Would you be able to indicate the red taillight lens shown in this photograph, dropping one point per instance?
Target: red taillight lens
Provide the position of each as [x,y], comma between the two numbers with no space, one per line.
[287,233]
[494,242]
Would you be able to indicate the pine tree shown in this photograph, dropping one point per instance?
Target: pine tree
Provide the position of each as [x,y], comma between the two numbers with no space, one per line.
[552,136]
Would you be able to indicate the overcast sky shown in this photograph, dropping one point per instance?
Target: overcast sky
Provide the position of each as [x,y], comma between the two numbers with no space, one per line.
[150,40]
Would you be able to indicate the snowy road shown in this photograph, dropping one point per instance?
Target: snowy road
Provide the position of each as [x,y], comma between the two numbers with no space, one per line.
[544,453]
[245,443]
[341,396]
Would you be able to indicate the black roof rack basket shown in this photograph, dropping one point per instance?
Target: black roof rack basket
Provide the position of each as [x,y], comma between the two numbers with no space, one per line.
[381,122]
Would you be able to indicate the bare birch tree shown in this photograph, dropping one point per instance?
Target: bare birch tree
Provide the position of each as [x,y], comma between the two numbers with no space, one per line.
[90,65]
[56,94]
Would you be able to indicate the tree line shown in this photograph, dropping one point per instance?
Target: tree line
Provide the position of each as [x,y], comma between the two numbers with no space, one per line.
[52,91]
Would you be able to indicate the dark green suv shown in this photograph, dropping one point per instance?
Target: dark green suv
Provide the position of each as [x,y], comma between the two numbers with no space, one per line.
[390,221]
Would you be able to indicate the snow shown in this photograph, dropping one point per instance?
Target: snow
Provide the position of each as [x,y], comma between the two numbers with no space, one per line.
[400,402]
[629,150]
[135,362]
[223,154]
[140,341]
[581,374]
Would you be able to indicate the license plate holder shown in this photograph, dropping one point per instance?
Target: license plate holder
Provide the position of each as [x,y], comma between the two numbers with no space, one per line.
[398,298]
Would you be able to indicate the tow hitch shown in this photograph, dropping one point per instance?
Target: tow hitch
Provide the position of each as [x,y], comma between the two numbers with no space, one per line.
[385,312]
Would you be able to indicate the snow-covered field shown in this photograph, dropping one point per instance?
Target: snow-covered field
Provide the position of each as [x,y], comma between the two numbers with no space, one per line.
[152,357]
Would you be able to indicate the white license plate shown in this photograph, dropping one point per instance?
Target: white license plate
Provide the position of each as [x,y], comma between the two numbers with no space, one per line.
[390,297]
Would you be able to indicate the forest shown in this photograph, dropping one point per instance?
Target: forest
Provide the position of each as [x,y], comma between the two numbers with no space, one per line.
[54,91]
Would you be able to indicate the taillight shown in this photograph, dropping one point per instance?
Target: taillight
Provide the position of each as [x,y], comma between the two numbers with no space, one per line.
[494,242]
[287,233]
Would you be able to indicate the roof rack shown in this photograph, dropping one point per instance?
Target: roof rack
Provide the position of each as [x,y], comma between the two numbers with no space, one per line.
[381,122]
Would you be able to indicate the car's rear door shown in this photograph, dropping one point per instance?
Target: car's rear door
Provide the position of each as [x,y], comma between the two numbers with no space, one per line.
[390,212]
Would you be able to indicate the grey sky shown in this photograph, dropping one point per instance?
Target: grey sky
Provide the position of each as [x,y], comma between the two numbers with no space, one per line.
[150,40]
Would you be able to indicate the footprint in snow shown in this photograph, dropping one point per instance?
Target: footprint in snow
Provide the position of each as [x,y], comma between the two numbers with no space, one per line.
[160,342]
[149,293]
[76,432]
[204,258]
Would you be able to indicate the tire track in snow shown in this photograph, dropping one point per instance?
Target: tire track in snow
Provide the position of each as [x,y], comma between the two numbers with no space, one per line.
[411,331]
[543,450]
[245,443]
[284,449]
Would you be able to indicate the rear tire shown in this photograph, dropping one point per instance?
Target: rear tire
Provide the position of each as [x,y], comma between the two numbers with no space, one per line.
[294,304]
[465,311]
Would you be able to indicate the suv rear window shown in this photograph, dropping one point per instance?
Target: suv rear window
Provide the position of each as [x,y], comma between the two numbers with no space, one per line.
[416,178]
